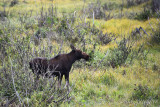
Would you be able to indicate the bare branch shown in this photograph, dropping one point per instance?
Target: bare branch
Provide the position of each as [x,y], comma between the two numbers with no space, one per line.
[13,82]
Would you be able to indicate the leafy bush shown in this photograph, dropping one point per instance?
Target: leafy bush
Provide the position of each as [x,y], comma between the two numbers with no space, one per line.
[30,23]
[13,2]
[118,56]
[4,42]
[142,93]
[3,14]
[110,6]
[63,27]
[48,18]
[41,33]
[105,38]
[155,5]
[135,2]
[98,36]
[156,36]
[98,11]
[96,57]
[144,15]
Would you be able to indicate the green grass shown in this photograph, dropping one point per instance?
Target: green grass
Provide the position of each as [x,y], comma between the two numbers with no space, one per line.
[88,90]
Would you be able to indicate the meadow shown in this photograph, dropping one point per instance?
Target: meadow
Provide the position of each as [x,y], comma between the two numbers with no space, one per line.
[122,38]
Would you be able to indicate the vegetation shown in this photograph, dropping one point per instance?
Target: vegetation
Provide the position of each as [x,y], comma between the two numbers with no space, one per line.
[122,38]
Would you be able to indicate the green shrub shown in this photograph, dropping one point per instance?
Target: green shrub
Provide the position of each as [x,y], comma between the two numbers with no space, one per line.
[30,23]
[156,37]
[96,58]
[135,2]
[13,2]
[142,93]
[97,9]
[110,6]
[143,15]
[118,56]
[104,39]
[65,25]
[1,31]
[155,5]
[3,14]
[52,20]
[48,18]
[41,33]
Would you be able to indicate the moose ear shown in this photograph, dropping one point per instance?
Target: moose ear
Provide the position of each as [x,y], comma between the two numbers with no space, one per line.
[72,47]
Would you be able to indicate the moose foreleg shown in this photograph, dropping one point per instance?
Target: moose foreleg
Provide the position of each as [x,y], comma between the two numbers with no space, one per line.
[59,81]
[67,80]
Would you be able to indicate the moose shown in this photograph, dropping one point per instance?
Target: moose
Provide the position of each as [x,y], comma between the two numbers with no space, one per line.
[57,66]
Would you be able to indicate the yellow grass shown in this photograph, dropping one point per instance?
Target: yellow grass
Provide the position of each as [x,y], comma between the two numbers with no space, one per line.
[36,5]
[125,26]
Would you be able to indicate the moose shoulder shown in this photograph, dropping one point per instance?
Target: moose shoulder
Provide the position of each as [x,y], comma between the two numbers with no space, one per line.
[59,65]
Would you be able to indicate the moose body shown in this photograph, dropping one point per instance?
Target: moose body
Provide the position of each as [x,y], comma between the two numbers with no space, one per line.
[57,66]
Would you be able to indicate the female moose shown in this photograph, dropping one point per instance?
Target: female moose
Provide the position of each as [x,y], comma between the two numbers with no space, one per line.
[59,65]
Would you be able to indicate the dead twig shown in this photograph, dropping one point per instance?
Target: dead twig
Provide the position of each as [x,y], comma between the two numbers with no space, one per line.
[14,82]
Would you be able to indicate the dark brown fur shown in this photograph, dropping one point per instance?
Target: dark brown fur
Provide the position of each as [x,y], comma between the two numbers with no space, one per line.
[58,66]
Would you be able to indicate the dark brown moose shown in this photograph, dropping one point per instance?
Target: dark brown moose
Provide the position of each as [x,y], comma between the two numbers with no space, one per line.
[58,66]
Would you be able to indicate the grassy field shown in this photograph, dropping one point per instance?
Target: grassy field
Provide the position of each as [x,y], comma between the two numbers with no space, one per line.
[123,41]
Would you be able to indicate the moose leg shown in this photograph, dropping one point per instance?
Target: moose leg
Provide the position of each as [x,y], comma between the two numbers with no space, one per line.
[67,80]
[36,81]
[59,81]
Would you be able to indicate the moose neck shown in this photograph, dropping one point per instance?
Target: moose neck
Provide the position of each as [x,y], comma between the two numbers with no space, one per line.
[72,57]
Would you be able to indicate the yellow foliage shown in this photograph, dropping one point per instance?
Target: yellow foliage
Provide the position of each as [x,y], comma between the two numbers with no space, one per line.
[125,26]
